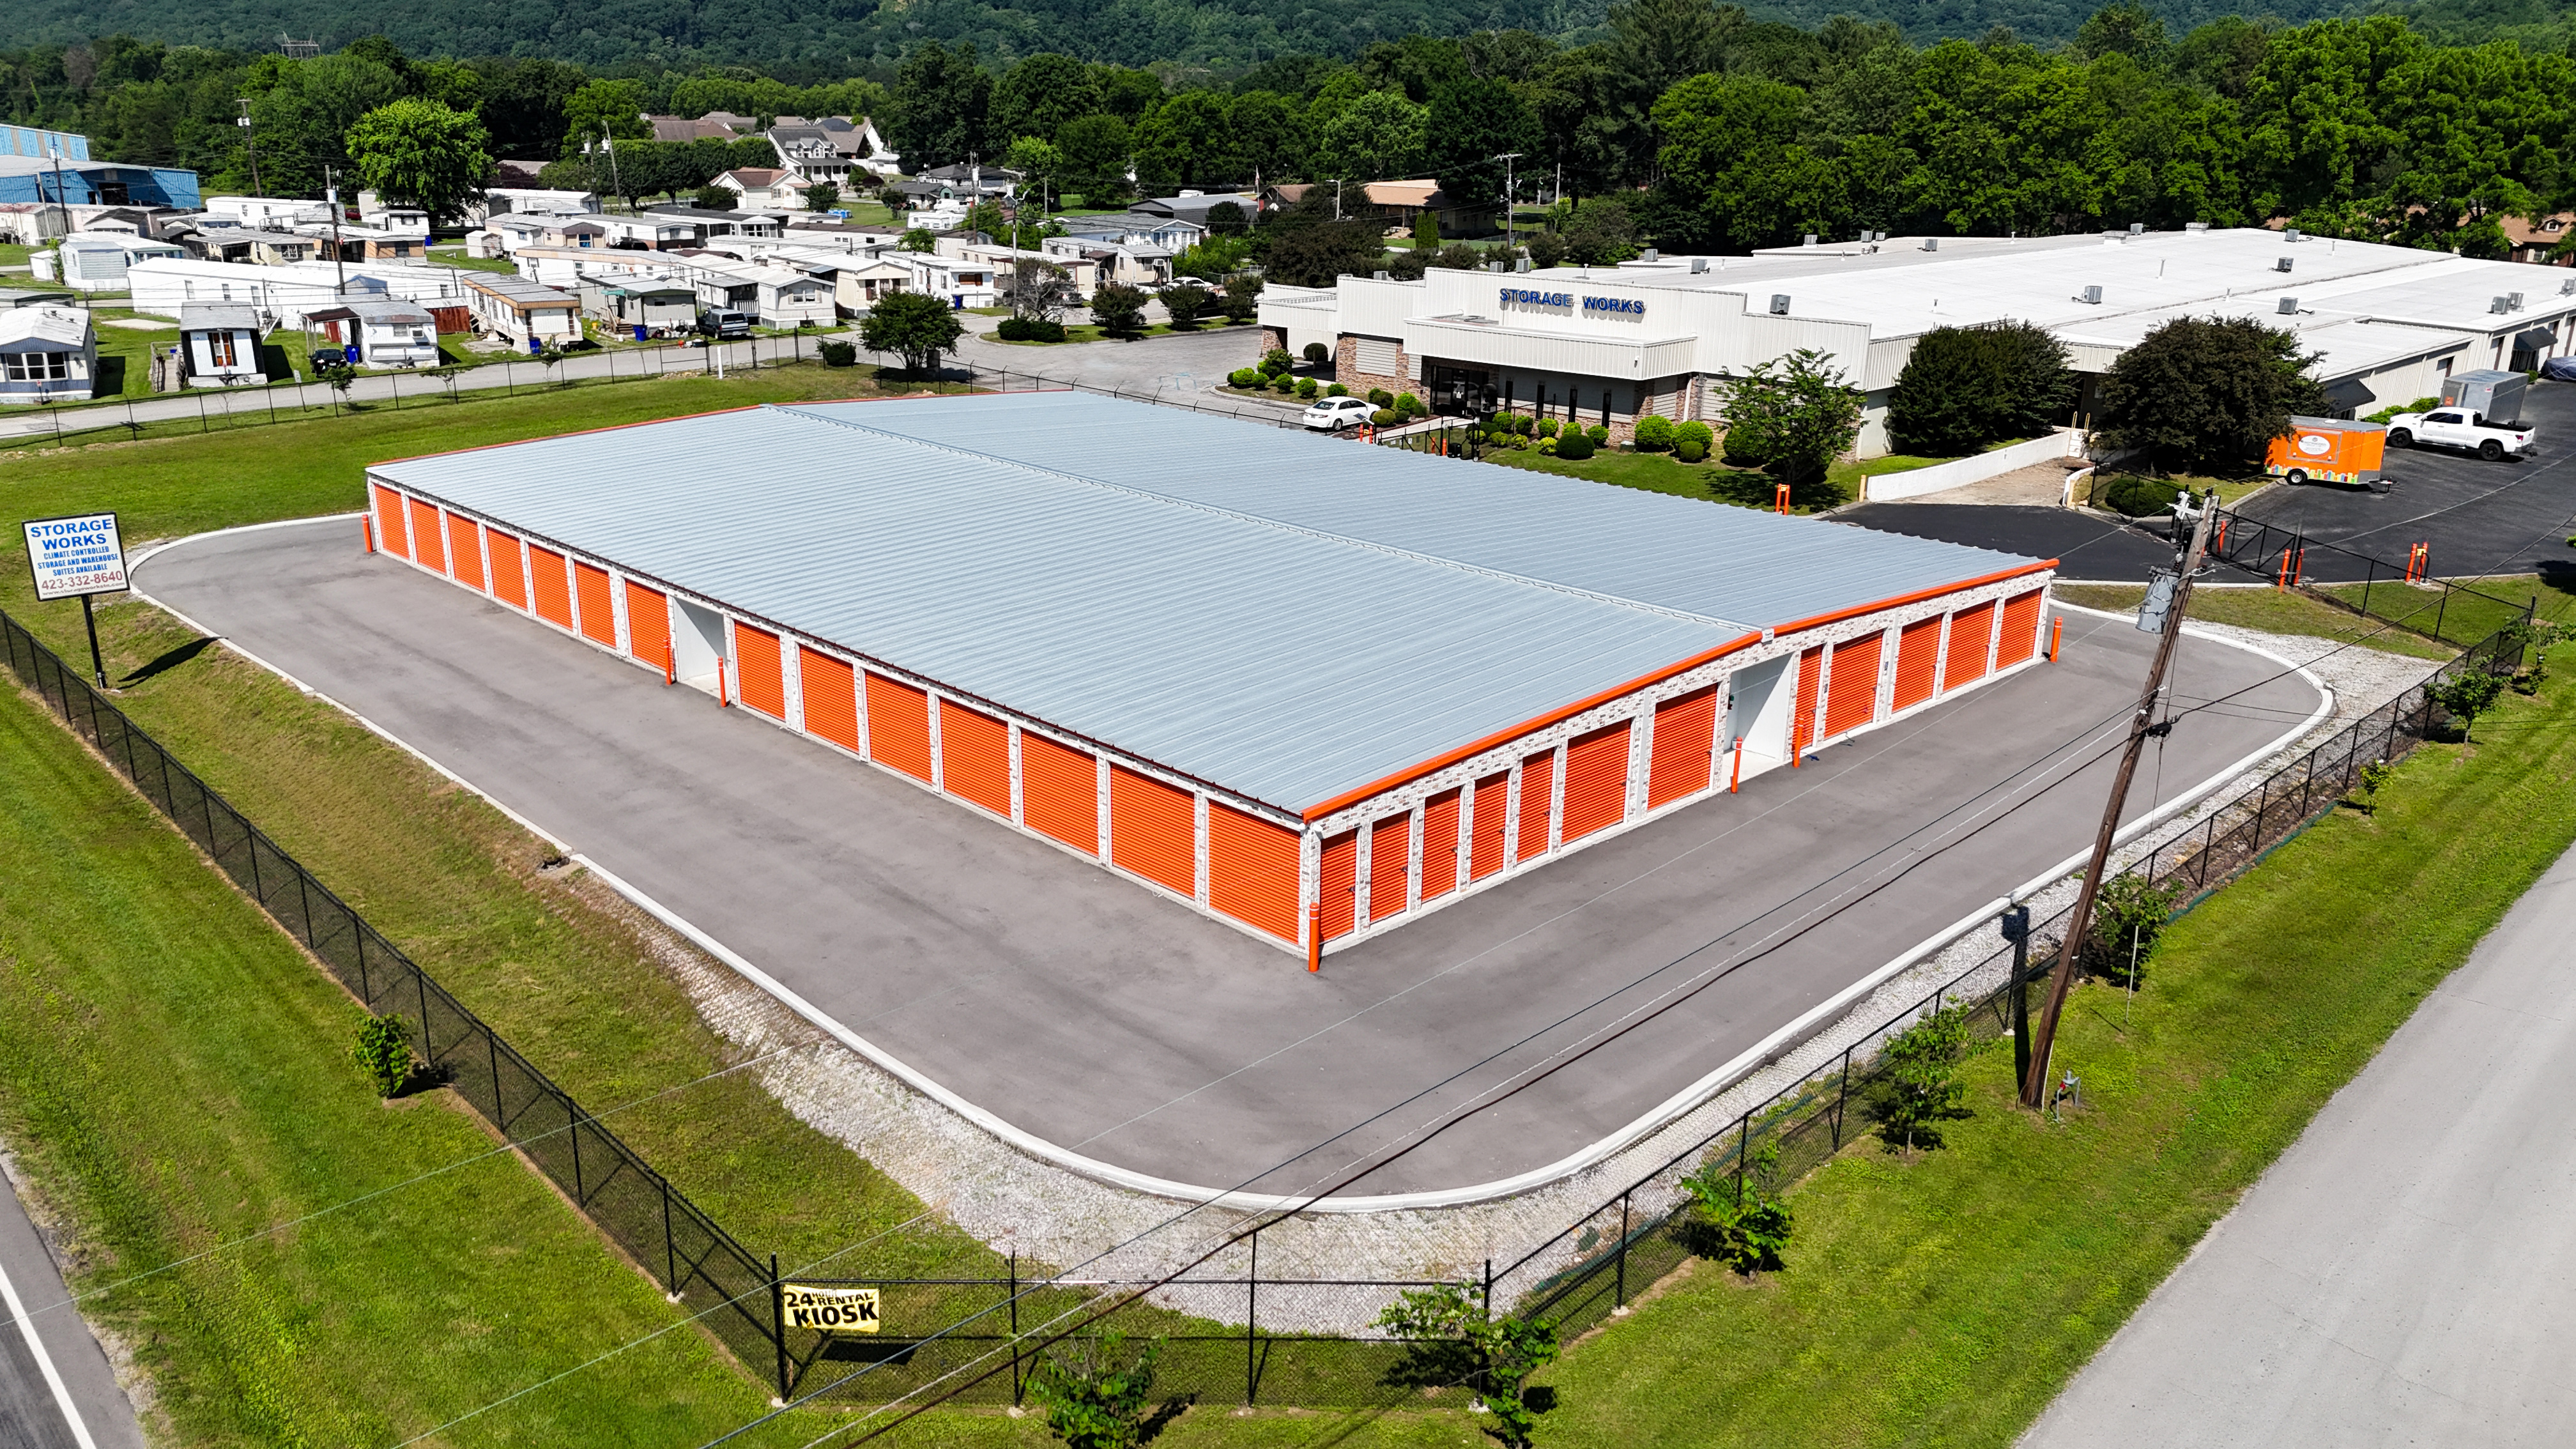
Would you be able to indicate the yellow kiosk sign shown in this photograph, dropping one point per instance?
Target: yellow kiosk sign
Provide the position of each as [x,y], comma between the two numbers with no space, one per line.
[832,1310]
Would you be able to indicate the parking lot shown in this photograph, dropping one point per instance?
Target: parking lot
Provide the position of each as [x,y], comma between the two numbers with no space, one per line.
[1109,1023]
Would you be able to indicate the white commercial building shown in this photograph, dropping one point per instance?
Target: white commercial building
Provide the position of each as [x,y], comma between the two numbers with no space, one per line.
[1663,335]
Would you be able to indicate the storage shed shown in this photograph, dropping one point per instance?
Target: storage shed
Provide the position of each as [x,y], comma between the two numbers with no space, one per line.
[1311,688]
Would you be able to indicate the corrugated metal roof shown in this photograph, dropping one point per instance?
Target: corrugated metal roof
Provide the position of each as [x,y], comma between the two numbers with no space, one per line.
[1269,658]
[1743,567]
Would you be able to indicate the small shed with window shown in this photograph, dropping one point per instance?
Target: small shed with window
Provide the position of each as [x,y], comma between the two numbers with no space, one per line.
[47,354]
[219,345]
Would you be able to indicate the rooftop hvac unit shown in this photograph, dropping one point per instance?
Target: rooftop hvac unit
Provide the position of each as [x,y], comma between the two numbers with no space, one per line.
[2092,295]
[2137,228]
[2497,304]
[1381,276]
[2294,236]
[1810,240]
[1698,265]
[2513,301]
[2289,306]
[1522,265]
[1931,244]
[1650,254]
[2193,227]
[1779,304]
[2280,264]
[2567,287]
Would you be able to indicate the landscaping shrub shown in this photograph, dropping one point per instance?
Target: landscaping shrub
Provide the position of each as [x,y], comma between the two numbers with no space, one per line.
[1920,1086]
[2134,497]
[1547,427]
[1455,1337]
[1743,1225]
[1574,444]
[1286,382]
[1691,450]
[1013,329]
[1186,304]
[1547,446]
[1599,434]
[1410,406]
[1045,329]
[1095,1397]
[1380,397]
[1386,417]
[1685,434]
[1119,309]
[1306,388]
[2466,695]
[837,354]
[1654,434]
[1243,377]
[1965,387]
[1275,362]
[1337,390]
[383,1051]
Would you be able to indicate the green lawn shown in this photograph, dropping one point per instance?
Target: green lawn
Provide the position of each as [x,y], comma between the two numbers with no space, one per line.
[459,258]
[2271,610]
[1663,473]
[1088,332]
[125,353]
[1847,474]
[1945,1299]
[14,255]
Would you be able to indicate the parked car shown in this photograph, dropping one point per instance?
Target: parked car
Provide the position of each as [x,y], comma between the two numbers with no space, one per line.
[724,322]
[1332,414]
[2458,428]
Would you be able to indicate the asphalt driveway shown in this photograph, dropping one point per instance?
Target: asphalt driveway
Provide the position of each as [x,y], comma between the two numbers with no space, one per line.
[1107,1021]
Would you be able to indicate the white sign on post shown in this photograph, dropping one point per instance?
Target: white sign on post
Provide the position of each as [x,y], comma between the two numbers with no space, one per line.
[75,557]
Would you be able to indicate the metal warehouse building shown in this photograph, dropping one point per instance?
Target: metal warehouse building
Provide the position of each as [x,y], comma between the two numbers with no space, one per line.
[1310,688]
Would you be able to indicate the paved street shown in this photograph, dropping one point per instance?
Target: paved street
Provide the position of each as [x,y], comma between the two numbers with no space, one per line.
[2088,548]
[88,1410]
[2406,1273]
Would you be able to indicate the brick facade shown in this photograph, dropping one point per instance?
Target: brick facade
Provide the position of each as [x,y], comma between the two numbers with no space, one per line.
[1346,370]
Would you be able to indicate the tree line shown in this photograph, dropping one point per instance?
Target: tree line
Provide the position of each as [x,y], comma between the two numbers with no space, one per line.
[1691,124]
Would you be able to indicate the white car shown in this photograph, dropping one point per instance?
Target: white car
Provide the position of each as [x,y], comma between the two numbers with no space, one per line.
[2460,428]
[1332,414]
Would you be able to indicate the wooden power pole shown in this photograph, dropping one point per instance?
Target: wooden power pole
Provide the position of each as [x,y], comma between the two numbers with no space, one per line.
[2034,1087]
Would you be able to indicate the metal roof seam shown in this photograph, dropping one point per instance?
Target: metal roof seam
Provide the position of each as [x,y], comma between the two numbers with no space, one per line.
[1285,527]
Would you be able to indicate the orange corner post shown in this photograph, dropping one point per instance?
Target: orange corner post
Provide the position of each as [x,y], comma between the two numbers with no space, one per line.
[1315,936]
[670,663]
[723,700]
[1735,771]
[1780,497]
[367,531]
[2056,633]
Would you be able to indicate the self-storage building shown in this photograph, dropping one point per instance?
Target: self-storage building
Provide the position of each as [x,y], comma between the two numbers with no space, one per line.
[1311,688]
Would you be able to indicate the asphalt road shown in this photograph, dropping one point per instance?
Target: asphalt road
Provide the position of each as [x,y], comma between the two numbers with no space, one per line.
[2088,549]
[89,1411]
[2406,1273]
[1105,1020]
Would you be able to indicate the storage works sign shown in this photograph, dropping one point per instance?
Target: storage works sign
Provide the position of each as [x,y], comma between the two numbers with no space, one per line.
[75,556]
[1566,304]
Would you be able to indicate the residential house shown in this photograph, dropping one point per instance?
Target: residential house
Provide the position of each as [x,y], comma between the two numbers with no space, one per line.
[566,268]
[1131,263]
[861,281]
[713,126]
[1082,272]
[401,220]
[164,286]
[1401,204]
[386,333]
[969,181]
[1174,234]
[272,212]
[713,224]
[368,243]
[2533,241]
[831,149]
[638,308]
[528,314]
[777,294]
[31,223]
[506,234]
[762,187]
[47,354]
[1194,206]
[258,248]
[99,263]
[528,201]
[219,346]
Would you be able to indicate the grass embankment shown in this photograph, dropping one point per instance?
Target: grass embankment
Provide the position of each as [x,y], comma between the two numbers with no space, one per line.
[2464,618]
[1664,473]
[1945,1299]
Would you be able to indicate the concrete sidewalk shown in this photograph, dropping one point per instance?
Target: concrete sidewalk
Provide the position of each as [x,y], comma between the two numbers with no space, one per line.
[2406,1273]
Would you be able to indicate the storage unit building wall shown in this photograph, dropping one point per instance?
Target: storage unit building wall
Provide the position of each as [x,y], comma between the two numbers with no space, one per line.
[1311,689]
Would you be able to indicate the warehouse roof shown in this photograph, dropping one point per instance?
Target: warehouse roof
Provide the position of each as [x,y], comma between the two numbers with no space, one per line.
[1316,618]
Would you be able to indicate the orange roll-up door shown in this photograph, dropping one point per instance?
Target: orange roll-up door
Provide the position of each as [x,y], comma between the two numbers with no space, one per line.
[1918,649]
[1485,850]
[1596,781]
[1440,844]
[899,726]
[648,624]
[1971,631]
[1390,865]
[1252,870]
[1153,830]
[1685,738]
[1341,884]
[830,688]
[464,551]
[509,576]
[1538,787]
[599,613]
[975,757]
[2021,630]
[1811,672]
[554,586]
[1060,792]
[1851,696]
[755,667]
[425,542]
[391,535]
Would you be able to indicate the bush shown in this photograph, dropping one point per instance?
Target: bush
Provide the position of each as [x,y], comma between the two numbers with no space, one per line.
[1691,450]
[1013,329]
[1741,1224]
[2466,695]
[1337,390]
[2134,497]
[1186,304]
[837,354]
[1095,1397]
[1286,382]
[383,1051]
[1410,406]
[1306,388]
[1386,417]
[1316,353]
[1045,329]
[1573,443]
[1243,377]
[1654,434]
[1118,308]
[1275,361]
[1547,446]
[1599,433]
[1380,397]
[1547,427]
[2128,913]
[1918,1085]
[1699,433]
[1522,423]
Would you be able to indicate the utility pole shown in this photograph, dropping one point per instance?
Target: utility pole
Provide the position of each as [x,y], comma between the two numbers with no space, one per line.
[1507,158]
[608,144]
[250,141]
[339,264]
[2142,727]
[1337,198]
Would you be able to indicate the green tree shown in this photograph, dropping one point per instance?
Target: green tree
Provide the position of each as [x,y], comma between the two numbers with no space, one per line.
[1793,415]
[1426,231]
[937,111]
[1041,167]
[1457,1339]
[1304,246]
[1039,94]
[422,153]
[2207,394]
[1095,150]
[913,326]
[1095,1397]
[1187,142]
[821,196]
[2129,915]
[2466,695]
[918,239]
[714,198]
[1378,137]
[1469,123]
[1740,1218]
[611,108]
[1596,232]
[1965,387]
[1185,304]
[1917,1087]
[383,1052]
[1038,291]
[1118,308]
[1732,156]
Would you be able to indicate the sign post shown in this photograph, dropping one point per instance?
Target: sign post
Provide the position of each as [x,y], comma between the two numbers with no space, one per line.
[78,557]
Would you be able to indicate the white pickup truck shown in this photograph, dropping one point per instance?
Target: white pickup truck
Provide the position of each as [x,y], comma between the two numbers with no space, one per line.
[2460,428]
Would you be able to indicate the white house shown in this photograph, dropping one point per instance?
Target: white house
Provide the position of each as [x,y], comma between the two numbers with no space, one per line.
[830,149]
[219,345]
[526,200]
[529,314]
[268,212]
[164,286]
[47,354]
[790,298]
[99,263]
[386,333]
[762,187]
[641,309]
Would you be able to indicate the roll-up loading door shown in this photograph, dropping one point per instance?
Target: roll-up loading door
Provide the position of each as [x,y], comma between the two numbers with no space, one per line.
[1596,781]
[1340,885]
[1971,631]
[1060,792]
[1538,804]
[1491,823]
[1252,870]
[599,612]
[975,757]
[1153,830]
[1918,650]
[425,543]
[1802,725]
[648,625]
[2021,630]
[1390,865]
[1440,844]
[554,586]
[509,574]
[464,551]
[756,668]
[391,535]
[1851,695]
[899,726]
[1685,739]
[829,687]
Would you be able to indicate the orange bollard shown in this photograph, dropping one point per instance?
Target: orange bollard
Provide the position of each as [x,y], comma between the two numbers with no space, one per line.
[1797,741]
[1735,772]
[2056,632]
[722,700]
[1315,936]
[670,663]
[1780,498]
[367,531]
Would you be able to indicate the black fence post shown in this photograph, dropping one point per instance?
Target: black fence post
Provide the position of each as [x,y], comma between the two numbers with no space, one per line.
[670,1249]
[429,1047]
[1251,1311]
[1017,1383]
[572,1129]
[1840,1097]
[1619,1290]
[778,1324]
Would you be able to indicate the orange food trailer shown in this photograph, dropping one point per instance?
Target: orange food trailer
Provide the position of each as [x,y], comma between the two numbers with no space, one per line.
[2333,450]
